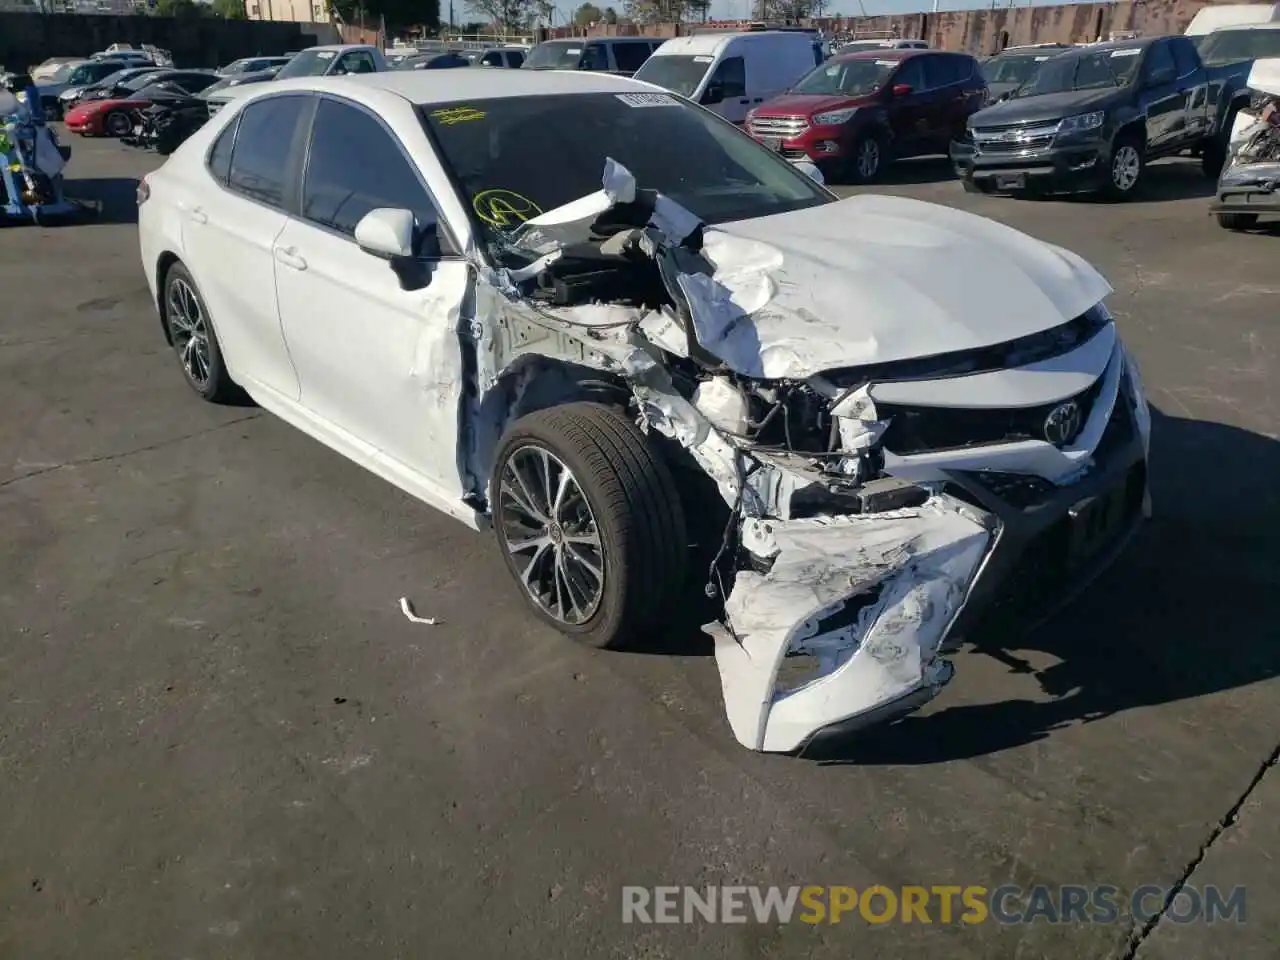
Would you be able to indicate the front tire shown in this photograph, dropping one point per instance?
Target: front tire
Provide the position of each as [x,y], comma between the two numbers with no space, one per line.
[191,332]
[1237,221]
[117,123]
[869,158]
[1126,168]
[590,523]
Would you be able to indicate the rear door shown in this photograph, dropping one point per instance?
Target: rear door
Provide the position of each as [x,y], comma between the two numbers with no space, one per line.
[379,363]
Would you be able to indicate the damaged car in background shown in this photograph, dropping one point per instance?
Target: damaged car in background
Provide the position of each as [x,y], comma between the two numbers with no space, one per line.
[662,364]
[1249,187]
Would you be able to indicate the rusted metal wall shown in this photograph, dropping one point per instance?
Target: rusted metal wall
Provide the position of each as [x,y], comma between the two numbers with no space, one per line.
[978,31]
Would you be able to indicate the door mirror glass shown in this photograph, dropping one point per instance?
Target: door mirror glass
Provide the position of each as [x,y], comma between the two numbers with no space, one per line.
[713,94]
[387,233]
[810,170]
[900,89]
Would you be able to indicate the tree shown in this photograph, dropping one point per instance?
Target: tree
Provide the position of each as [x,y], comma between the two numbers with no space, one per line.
[511,16]
[609,15]
[229,9]
[399,14]
[587,14]
[654,11]
[791,9]
[178,8]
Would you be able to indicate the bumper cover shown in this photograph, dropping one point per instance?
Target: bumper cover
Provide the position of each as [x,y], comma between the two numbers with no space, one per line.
[1069,168]
[1248,188]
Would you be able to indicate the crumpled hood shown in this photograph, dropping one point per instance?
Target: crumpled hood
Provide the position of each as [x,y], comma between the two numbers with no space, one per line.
[875,279]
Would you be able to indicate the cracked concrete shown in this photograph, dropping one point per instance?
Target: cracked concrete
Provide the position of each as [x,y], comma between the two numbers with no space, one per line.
[219,737]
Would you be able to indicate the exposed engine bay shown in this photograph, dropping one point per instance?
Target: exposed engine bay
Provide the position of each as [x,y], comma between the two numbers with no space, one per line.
[857,428]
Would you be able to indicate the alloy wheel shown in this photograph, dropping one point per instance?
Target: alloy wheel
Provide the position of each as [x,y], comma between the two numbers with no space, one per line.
[548,524]
[868,158]
[190,332]
[118,124]
[1124,168]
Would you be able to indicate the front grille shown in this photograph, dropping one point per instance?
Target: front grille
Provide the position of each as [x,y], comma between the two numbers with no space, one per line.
[1015,138]
[920,429]
[1021,146]
[1021,490]
[786,127]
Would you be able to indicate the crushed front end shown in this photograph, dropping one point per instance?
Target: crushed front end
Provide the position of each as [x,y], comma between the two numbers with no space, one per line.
[884,498]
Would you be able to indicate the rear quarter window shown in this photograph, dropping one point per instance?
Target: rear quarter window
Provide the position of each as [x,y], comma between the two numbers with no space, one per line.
[219,159]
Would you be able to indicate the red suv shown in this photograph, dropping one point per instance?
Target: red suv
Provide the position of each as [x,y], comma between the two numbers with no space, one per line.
[854,112]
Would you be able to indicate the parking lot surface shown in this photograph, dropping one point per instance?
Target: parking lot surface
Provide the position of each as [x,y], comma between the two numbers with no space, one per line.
[220,737]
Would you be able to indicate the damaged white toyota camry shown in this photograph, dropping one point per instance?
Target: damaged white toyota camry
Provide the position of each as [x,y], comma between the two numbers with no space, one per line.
[650,353]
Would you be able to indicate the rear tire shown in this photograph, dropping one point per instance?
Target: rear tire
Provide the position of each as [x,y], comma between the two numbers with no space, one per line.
[1214,155]
[191,332]
[618,514]
[117,123]
[1237,221]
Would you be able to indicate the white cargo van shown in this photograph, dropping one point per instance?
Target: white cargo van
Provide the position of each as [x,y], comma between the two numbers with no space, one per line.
[729,73]
[1231,15]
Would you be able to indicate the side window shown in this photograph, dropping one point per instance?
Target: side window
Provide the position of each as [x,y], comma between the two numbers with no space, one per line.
[260,160]
[631,54]
[492,59]
[937,72]
[219,162]
[912,74]
[194,84]
[594,57]
[356,166]
[514,58]
[1184,56]
[358,61]
[731,74]
[1159,67]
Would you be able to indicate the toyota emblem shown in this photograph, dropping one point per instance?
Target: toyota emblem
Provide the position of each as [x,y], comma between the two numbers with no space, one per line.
[1063,423]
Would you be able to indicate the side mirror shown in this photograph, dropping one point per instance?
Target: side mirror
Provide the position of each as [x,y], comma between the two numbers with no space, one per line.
[409,246]
[1160,78]
[900,89]
[713,94]
[810,170]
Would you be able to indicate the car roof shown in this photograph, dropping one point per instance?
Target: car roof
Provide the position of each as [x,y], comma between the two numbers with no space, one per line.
[885,53]
[421,86]
[1136,42]
[1236,27]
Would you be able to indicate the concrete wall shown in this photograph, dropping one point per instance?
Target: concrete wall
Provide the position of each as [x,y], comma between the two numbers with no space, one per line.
[981,31]
[29,38]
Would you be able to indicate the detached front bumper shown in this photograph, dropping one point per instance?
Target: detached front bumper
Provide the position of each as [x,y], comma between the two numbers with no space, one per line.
[1250,188]
[868,602]
[1075,166]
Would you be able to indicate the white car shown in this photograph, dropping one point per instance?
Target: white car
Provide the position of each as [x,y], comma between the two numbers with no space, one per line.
[651,354]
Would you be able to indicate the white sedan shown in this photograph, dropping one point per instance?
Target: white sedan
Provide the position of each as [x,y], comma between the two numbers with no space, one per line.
[661,362]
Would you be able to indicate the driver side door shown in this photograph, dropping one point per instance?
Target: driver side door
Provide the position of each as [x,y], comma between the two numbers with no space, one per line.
[1164,104]
[379,366]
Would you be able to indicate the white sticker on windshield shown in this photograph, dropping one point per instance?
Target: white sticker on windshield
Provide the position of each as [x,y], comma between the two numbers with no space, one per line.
[326,54]
[1041,59]
[573,51]
[704,59]
[1127,52]
[648,99]
[886,63]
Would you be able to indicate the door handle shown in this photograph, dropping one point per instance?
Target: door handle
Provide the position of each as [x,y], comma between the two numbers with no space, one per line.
[744,100]
[289,257]
[758,100]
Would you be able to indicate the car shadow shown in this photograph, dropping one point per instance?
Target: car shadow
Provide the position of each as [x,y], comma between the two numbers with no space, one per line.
[1187,611]
[1177,178]
[107,199]
[903,173]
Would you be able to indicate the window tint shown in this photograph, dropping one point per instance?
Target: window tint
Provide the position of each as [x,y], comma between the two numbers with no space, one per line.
[358,61]
[492,59]
[731,74]
[193,83]
[514,58]
[938,72]
[220,155]
[595,57]
[1159,65]
[356,166]
[260,160]
[1184,55]
[631,54]
[912,74]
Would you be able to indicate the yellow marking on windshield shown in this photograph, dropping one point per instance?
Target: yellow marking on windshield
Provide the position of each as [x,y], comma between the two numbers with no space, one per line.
[451,115]
[504,208]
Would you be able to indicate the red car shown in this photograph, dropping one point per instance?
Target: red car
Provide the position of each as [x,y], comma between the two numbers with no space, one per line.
[853,113]
[104,118]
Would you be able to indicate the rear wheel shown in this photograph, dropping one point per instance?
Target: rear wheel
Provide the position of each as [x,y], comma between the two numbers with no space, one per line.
[590,523]
[191,333]
[1237,221]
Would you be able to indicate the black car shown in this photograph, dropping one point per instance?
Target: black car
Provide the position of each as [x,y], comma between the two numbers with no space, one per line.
[1093,117]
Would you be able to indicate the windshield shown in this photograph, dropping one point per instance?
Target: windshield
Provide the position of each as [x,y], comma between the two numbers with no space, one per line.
[555,55]
[309,63]
[680,74]
[849,78]
[63,73]
[142,80]
[1098,70]
[1017,70]
[516,157]
[85,73]
[1231,46]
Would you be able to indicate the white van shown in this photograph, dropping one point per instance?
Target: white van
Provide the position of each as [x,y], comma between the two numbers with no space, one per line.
[729,73]
[1231,15]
